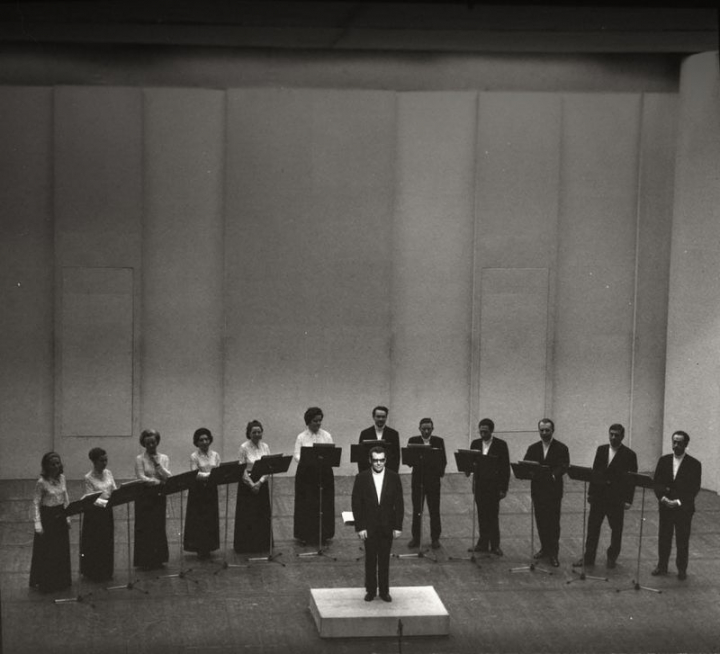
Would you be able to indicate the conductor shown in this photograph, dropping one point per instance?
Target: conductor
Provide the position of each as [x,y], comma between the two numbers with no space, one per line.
[378,510]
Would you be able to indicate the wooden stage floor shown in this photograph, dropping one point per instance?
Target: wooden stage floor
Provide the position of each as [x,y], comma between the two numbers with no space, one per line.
[265,607]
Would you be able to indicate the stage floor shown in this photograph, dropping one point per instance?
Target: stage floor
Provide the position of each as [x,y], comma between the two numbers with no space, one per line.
[263,607]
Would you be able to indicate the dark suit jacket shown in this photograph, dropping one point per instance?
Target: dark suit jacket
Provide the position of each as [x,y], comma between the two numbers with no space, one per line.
[378,518]
[501,478]
[432,472]
[614,486]
[686,484]
[393,454]
[558,458]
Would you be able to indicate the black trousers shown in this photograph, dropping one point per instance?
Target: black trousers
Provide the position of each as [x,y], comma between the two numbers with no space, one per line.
[377,563]
[431,493]
[615,514]
[547,518]
[678,521]
[488,512]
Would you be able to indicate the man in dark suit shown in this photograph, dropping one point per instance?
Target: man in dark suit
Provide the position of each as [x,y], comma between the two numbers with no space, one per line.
[426,484]
[380,431]
[677,483]
[490,488]
[547,491]
[610,494]
[378,510]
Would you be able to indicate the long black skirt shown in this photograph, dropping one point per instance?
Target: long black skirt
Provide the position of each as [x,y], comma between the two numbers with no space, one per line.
[50,566]
[307,504]
[252,519]
[98,544]
[202,519]
[151,546]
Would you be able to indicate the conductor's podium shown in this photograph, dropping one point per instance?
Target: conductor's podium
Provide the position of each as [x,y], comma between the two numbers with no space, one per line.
[343,613]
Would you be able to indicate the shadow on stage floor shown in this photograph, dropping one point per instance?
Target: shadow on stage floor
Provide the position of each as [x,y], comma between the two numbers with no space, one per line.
[263,607]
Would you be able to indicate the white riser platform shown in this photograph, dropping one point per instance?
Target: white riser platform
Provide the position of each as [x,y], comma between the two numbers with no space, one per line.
[343,613]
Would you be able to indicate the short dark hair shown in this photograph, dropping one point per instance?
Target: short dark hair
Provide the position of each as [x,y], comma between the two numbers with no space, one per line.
[313,412]
[250,425]
[617,427]
[45,462]
[378,449]
[203,431]
[149,432]
[486,422]
[424,420]
[552,424]
[684,434]
[379,407]
[95,453]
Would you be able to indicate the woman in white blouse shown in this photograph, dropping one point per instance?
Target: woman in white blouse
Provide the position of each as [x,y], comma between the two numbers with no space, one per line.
[308,480]
[202,524]
[151,546]
[50,566]
[98,543]
[252,510]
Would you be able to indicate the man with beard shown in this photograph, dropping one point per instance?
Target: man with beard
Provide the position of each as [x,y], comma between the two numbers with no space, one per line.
[547,490]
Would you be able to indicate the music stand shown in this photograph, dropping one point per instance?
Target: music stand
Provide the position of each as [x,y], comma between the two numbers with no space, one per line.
[179,484]
[271,465]
[531,470]
[225,474]
[470,462]
[128,492]
[78,507]
[360,452]
[418,455]
[644,481]
[319,455]
[584,475]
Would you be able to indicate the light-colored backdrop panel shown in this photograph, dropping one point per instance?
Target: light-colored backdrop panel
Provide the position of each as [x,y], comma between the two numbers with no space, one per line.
[98,224]
[513,347]
[182,366]
[596,269]
[308,257]
[26,270]
[692,390]
[96,352]
[518,162]
[433,263]
[657,171]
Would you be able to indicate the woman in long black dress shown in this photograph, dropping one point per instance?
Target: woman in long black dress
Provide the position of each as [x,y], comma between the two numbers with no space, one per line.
[50,566]
[252,511]
[307,484]
[202,519]
[98,533]
[151,546]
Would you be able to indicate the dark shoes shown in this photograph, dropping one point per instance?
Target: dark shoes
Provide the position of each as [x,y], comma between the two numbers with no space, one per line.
[554,561]
[414,543]
[435,544]
[539,554]
[479,547]
[682,575]
[369,597]
[659,572]
[496,551]
[385,597]
[610,564]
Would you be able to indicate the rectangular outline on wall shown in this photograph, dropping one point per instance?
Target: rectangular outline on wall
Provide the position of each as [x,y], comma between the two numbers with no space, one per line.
[59,338]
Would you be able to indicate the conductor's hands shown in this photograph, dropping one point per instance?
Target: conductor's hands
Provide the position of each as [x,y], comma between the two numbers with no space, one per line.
[397,533]
[362,534]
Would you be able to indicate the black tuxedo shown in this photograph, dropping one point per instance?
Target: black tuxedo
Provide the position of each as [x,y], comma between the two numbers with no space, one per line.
[609,490]
[488,488]
[393,449]
[685,488]
[431,476]
[379,519]
[547,493]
